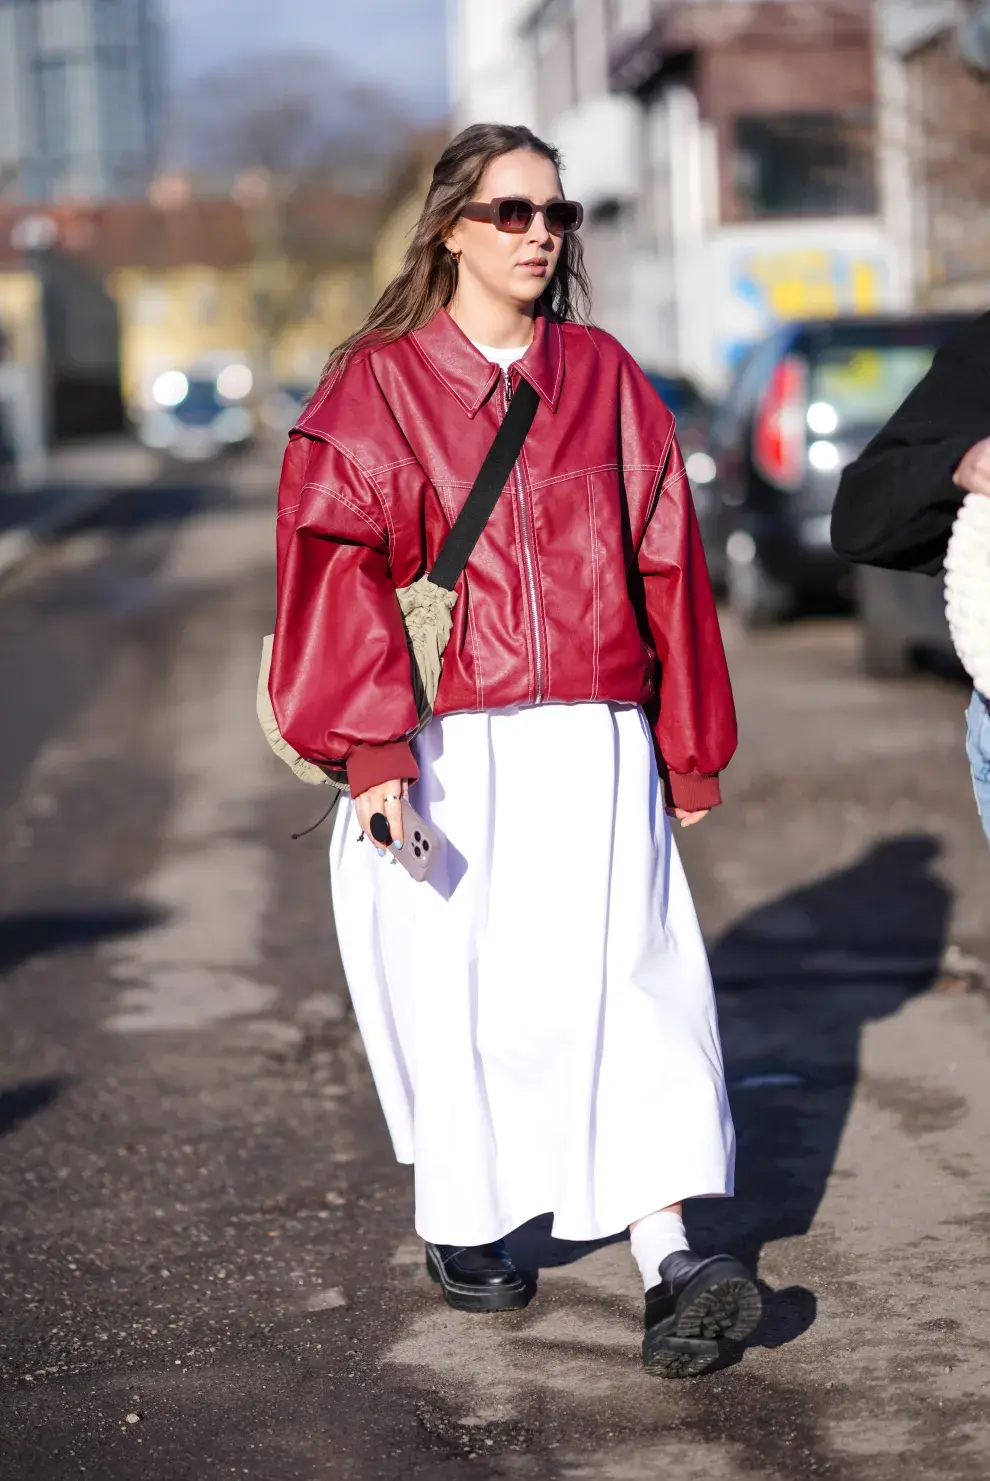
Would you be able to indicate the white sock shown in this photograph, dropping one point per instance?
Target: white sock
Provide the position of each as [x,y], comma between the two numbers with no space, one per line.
[653,1239]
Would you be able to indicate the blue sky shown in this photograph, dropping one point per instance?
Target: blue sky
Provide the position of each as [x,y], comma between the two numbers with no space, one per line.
[398,43]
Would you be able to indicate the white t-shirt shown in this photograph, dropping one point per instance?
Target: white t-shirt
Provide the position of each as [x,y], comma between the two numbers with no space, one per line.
[502,358]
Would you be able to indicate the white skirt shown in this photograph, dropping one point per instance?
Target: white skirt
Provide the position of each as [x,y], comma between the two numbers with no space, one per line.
[539,1016]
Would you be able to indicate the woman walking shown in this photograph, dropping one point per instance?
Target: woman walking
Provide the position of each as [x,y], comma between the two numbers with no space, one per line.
[539,1015]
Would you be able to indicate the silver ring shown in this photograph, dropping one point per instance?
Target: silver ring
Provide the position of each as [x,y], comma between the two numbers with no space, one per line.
[392,799]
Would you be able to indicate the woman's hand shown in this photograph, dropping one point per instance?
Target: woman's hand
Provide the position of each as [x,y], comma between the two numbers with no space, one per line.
[973,473]
[688,819]
[384,799]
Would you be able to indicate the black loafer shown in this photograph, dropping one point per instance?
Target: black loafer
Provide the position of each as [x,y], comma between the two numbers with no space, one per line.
[478,1277]
[700,1307]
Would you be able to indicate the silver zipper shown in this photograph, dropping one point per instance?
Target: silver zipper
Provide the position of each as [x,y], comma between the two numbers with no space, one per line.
[534,601]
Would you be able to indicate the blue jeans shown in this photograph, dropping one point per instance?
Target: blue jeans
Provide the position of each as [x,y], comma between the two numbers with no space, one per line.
[978,751]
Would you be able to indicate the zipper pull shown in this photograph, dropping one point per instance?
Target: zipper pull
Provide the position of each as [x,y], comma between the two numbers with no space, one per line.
[508,385]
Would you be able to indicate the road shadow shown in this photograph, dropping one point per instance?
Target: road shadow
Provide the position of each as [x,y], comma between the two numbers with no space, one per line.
[797,980]
[33,933]
[21,1102]
[160,502]
[534,1249]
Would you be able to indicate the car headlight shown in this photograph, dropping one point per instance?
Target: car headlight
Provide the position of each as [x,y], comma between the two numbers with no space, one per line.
[170,388]
[235,382]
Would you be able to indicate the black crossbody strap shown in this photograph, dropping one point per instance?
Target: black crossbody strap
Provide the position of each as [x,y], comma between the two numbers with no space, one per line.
[491,480]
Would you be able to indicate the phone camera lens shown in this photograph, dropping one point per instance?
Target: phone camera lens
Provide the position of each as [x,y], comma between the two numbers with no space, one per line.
[417,851]
[426,847]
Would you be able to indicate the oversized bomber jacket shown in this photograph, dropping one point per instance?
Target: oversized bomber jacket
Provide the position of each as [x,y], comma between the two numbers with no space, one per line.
[589,582]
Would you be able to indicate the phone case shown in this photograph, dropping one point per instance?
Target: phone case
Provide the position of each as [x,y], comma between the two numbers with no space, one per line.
[421,843]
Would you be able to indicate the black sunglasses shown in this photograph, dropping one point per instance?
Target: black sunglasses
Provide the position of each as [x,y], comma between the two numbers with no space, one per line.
[515,213]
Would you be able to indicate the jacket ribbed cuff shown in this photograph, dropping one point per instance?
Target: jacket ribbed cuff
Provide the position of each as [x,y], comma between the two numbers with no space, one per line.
[694,791]
[370,766]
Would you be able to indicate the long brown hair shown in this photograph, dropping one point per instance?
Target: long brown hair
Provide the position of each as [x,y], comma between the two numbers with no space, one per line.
[428,276]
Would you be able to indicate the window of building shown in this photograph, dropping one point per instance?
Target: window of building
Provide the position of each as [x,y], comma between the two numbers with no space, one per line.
[54,138]
[804,164]
[554,40]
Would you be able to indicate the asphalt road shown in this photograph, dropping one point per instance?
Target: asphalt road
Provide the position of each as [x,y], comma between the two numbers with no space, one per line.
[207,1265]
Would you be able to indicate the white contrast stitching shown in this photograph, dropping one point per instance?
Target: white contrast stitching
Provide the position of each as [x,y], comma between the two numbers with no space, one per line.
[674,478]
[560,363]
[479,678]
[539,573]
[399,463]
[369,475]
[324,488]
[440,375]
[583,473]
[595,589]
[527,635]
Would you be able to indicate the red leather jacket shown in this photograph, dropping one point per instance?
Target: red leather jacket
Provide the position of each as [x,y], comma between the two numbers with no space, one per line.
[589,582]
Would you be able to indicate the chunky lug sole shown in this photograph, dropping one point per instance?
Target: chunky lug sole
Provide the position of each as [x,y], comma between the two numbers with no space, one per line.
[720,1305]
[477,1298]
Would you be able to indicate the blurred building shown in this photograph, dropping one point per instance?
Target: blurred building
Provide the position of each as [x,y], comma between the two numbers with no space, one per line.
[22,376]
[99,301]
[934,82]
[133,289]
[199,284]
[492,73]
[725,152]
[81,96]
[396,230]
[61,325]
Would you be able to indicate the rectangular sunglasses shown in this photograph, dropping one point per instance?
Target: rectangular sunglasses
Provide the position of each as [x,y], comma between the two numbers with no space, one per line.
[515,213]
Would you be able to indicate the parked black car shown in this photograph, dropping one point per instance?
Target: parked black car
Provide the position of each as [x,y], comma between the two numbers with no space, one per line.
[804,402]
[902,619]
[692,410]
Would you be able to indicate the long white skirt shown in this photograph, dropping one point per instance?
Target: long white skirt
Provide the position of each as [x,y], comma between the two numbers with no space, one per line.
[539,1016]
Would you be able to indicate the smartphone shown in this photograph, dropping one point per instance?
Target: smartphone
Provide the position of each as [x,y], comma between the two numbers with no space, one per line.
[421,843]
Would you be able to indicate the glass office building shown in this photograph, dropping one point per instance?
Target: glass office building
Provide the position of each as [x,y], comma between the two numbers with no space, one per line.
[81,95]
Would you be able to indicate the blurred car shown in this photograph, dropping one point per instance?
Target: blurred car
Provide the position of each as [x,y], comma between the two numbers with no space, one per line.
[284,406]
[901,619]
[691,409]
[195,417]
[693,413]
[803,403]
[8,460]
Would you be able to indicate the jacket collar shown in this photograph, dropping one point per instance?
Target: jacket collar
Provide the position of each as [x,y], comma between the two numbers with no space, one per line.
[471,378]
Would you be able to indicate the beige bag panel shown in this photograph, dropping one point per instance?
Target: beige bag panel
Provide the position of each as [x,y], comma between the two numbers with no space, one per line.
[304,770]
[426,612]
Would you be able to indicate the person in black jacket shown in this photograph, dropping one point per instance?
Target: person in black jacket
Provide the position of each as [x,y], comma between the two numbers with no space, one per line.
[897,502]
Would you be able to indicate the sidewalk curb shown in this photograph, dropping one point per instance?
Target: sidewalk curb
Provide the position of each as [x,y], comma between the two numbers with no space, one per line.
[18,544]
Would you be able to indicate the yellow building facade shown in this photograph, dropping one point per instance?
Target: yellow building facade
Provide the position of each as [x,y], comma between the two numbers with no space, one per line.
[395,235]
[194,316]
[21,315]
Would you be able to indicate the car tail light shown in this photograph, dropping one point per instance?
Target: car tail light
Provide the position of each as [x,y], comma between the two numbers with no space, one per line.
[779,448]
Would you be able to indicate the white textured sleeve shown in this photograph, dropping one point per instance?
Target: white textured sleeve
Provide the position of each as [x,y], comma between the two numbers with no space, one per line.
[967,588]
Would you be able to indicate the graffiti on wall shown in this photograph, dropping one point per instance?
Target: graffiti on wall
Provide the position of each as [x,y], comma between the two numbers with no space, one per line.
[768,283]
[810,284]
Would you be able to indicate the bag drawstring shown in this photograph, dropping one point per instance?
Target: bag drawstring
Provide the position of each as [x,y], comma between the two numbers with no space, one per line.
[313,826]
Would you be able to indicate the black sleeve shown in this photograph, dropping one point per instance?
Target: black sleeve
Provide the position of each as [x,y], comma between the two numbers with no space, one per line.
[896,502]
